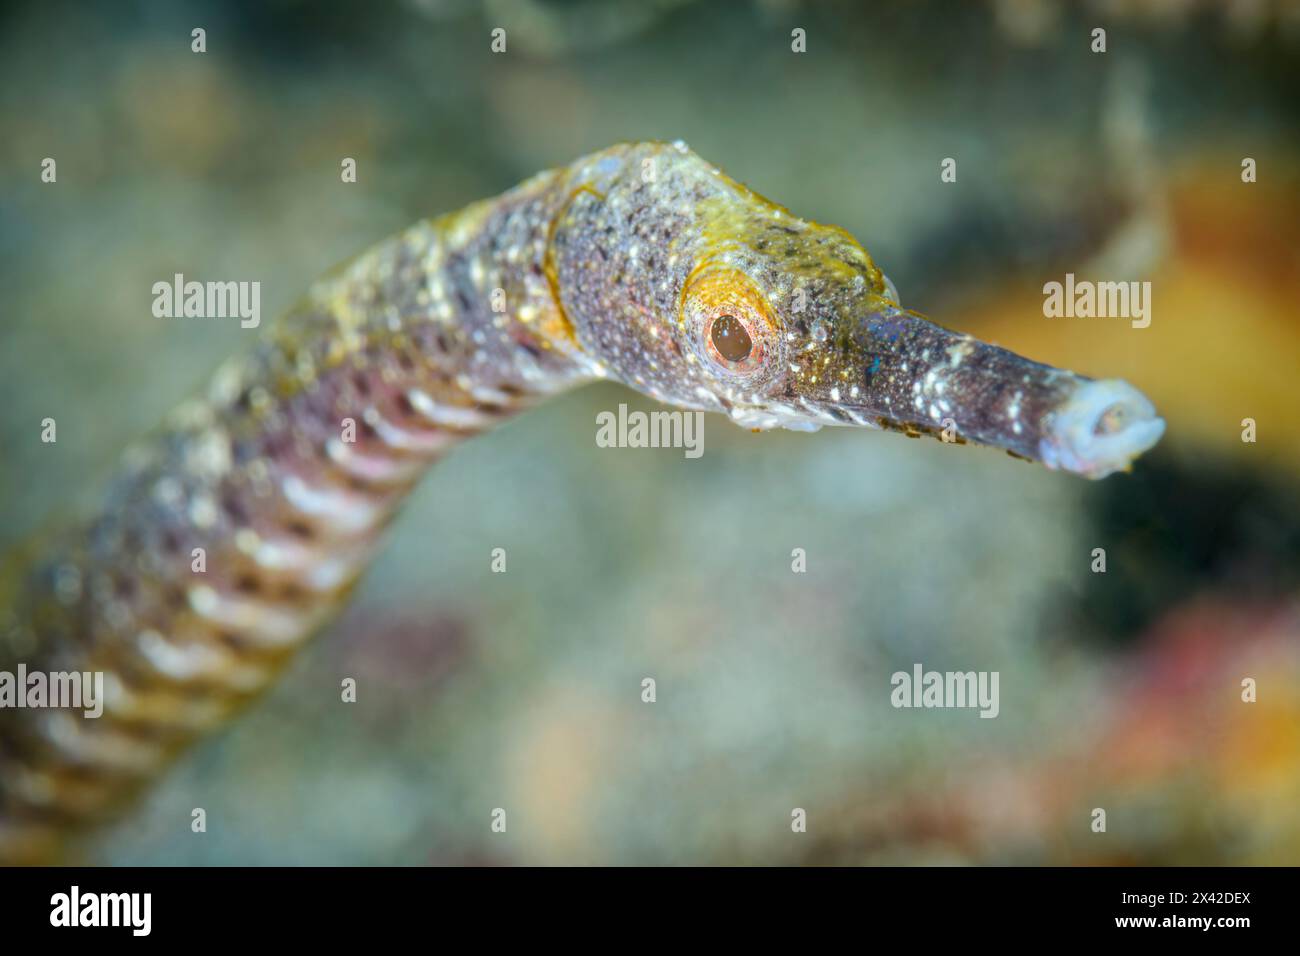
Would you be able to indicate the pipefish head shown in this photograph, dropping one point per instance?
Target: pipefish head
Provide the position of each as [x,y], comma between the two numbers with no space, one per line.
[690,287]
[772,311]
[693,289]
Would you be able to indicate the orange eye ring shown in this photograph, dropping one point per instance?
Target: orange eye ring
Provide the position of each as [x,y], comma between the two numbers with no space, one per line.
[730,321]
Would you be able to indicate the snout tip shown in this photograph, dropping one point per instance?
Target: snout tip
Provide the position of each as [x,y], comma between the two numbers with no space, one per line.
[1100,429]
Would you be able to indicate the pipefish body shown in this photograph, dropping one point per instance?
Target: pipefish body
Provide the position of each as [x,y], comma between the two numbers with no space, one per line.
[641,263]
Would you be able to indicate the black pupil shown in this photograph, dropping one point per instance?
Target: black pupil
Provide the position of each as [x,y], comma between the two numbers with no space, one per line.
[730,338]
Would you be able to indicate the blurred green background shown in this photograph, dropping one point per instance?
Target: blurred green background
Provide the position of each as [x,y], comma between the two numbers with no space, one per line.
[522,690]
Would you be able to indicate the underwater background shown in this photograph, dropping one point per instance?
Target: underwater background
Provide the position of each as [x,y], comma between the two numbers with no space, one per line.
[1120,690]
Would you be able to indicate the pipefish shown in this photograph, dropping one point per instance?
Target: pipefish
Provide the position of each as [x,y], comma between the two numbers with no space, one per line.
[235,531]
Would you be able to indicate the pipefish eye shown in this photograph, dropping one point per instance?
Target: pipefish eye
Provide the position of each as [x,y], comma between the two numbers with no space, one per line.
[730,321]
[730,339]
[734,339]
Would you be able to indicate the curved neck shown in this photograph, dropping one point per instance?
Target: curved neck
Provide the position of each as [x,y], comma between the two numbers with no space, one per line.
[230,535]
